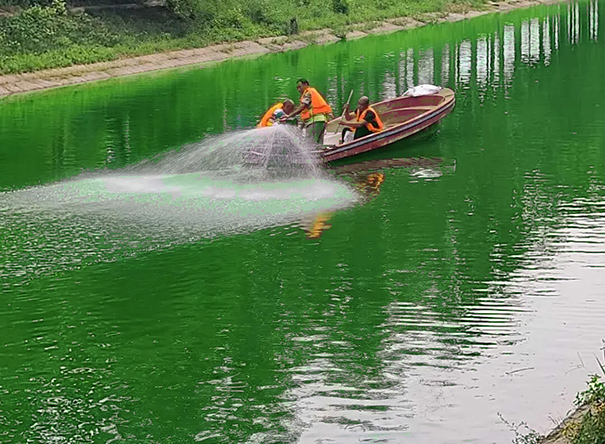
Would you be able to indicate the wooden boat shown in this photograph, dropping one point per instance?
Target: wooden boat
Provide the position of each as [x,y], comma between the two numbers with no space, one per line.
[402,117]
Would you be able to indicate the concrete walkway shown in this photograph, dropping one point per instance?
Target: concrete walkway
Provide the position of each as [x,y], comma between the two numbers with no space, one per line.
[52,78]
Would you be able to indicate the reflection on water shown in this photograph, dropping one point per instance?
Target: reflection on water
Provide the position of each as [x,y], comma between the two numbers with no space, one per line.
[368,185]
[488,60]
[318,225]
[367,181]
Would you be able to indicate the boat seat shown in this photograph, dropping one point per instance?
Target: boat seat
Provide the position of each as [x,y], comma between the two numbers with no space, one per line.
[396,116]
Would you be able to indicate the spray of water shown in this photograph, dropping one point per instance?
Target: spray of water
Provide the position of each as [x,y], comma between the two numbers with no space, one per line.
[278,152]
[235,183]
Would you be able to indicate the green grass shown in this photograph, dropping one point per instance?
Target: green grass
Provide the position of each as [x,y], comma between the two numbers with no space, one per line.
[589,430]
[42,37]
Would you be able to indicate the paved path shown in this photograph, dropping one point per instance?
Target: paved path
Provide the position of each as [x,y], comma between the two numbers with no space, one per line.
[52,78]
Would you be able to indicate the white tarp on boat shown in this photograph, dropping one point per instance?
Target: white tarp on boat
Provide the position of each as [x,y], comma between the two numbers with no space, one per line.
[422,90]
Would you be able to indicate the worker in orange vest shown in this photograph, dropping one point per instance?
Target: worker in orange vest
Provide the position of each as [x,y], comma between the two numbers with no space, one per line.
[367,120]
[276,112]
[313,109]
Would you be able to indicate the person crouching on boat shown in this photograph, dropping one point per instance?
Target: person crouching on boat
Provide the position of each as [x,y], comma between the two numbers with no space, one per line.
[313,109]
[276,112]
[367,121]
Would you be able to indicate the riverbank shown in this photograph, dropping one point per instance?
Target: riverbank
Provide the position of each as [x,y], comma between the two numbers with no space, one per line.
[561,434]
[567,432]
[586,424]
[52,78]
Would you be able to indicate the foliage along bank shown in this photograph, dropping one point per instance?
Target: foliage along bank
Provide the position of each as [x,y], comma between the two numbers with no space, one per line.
[586,425]
[40,34]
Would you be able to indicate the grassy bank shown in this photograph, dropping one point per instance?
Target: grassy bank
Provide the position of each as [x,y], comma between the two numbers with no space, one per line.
[586,425]
[590,429]
[51,35]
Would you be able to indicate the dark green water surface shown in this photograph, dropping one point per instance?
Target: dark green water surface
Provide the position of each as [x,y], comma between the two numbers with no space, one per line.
[450,292]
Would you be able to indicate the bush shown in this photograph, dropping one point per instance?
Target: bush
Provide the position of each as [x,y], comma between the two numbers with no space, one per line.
[591,430]
[36,28]
[42,28]
[340,6]
[186,9]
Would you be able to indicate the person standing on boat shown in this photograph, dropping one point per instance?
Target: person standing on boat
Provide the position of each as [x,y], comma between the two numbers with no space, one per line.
[367,121]
[276,112]
[313,109]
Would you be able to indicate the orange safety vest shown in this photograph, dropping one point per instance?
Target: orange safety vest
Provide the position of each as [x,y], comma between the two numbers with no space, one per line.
[265,119]
[318,105]
[369,125]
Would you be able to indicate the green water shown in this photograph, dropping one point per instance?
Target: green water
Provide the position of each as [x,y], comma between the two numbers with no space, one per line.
[447,293]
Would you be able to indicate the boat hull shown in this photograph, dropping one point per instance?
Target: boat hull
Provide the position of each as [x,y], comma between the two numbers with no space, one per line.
[394,133]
